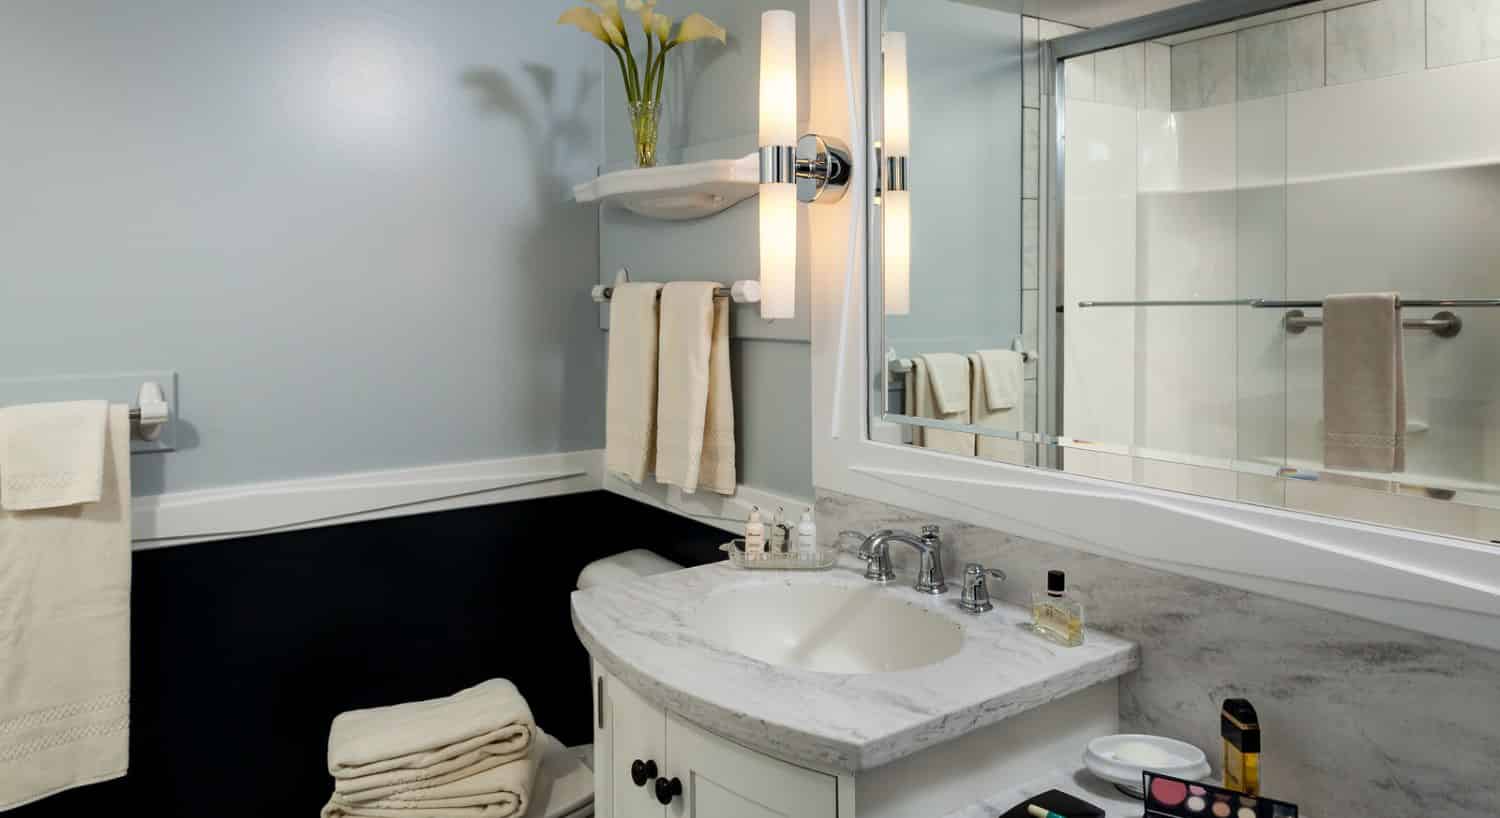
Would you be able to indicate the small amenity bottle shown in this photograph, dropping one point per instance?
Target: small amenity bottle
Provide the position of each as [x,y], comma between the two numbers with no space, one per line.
[1056,616]
[755,535]
[807,537]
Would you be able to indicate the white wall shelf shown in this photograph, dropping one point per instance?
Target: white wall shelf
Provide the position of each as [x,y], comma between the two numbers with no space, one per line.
[676,192]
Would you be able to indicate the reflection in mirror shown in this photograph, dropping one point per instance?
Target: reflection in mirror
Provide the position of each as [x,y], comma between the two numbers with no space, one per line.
[1275,291]
[950,218]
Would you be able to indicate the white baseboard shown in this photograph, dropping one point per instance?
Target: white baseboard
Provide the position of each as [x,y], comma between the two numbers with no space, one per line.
[724,512]
[262,508]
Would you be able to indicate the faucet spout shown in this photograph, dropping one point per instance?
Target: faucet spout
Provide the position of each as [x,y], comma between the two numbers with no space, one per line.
[876,549]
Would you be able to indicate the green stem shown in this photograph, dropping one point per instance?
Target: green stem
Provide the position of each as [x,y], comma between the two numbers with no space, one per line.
[630,93]
[661,70]
[650,59]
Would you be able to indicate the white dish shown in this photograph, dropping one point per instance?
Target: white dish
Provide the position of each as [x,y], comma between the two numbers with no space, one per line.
[1121,759]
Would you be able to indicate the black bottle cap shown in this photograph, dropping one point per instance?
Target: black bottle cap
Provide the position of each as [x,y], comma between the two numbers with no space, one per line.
[1056,583]
[1240,725]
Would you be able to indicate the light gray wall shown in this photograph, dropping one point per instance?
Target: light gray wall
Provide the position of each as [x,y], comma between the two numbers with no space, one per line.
[964,75]
[345,224]
[711,112]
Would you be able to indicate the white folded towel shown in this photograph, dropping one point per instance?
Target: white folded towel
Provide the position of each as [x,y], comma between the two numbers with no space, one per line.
[983,403]
[407,743]
[1364,383]
[65,636]
[630,399]
[496,791]
[694,404]
[52,454]
[938,388]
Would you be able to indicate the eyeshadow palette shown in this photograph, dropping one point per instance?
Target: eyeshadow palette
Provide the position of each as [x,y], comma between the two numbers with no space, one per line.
[1168,797]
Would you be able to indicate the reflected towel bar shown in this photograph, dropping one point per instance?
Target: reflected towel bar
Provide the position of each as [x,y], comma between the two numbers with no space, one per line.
[1444,324]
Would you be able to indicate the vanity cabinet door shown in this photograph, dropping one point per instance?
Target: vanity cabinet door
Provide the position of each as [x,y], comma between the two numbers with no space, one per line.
[632,730]
[721,779]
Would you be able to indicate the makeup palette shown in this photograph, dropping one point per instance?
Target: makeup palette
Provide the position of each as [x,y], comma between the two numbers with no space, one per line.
[1168,797]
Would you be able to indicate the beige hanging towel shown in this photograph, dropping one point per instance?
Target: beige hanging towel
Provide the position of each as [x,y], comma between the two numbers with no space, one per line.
[938,388]
[52,454]
[695,401]
[630,397]
[1364,383]
[65,620]
[997,401]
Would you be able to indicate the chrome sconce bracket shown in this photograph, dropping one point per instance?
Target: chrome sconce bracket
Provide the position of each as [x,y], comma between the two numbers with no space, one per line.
[820,166]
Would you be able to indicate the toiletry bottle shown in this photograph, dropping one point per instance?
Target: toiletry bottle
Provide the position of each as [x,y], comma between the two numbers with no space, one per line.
[755,535]
[1241,729]
[1055,615]
[807,536]
[776,543]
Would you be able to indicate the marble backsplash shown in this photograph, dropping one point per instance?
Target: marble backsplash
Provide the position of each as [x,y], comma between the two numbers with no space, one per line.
[1359,718]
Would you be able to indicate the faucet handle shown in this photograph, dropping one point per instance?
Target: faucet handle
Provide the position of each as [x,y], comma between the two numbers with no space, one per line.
[976,591]
[931,531]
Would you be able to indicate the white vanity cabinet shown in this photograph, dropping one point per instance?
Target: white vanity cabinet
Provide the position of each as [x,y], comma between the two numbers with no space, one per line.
[719,778]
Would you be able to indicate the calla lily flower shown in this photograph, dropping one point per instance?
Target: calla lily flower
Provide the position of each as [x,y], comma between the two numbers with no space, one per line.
[610,10]
[661,26]
[586,20]
[612,31]
[697,27]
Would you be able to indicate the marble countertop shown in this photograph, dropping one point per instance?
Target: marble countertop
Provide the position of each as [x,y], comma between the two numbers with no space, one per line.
[641,632]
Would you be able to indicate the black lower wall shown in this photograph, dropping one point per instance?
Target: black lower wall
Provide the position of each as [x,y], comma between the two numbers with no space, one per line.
[243,651]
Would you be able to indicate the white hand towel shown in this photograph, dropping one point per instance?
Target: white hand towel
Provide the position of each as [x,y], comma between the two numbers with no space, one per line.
[52,454]
[1001,409]
[1003,372]
[65,637]
[415,740]
[942,396]
[630,399]
[694,403]
[1364,383]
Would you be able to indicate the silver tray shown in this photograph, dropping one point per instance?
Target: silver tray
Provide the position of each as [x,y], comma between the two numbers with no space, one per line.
[820,560]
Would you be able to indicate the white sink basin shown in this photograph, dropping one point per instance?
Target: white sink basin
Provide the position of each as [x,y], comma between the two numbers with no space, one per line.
[827,628]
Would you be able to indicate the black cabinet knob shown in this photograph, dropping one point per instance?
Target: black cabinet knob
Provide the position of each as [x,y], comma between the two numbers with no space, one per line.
[667,790]
[642,771]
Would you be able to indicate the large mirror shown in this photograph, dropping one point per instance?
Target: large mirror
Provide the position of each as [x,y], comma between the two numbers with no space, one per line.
[1262,266]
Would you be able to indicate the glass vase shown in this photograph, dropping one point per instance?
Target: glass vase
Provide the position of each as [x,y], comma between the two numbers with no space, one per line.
[644,119]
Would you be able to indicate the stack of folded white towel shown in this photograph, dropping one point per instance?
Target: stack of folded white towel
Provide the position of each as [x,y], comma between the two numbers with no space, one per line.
[474,754]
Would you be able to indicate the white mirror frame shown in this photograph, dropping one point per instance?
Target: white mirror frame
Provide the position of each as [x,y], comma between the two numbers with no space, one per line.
[1434,584]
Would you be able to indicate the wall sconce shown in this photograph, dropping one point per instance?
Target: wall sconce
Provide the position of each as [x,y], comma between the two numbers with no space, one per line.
[811,169]
[895,199]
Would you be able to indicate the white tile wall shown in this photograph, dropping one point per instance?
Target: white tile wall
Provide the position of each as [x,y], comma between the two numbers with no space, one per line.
[1030,243]
[1375,40]
[1031,156]
[1158,77]
[1031,66]
[1203,73]
[1305,49]
[1120,76]
[1462,31]
[1263,61]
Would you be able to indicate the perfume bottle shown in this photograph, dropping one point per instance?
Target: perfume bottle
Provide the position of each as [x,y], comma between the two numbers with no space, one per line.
[1055,615]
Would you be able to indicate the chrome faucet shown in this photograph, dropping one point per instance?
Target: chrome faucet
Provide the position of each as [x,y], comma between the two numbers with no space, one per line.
[876,551]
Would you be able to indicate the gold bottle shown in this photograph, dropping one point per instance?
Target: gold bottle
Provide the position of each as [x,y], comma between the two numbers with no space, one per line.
[1241,729]
[1054,615]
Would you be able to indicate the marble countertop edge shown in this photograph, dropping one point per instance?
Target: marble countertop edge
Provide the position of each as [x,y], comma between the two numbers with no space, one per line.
[845,748]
